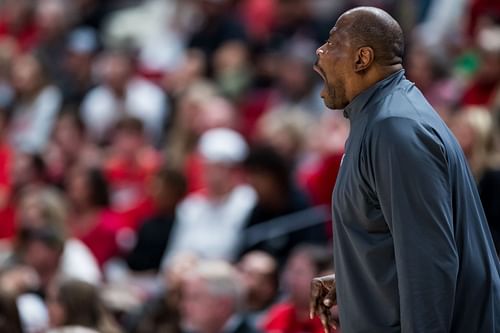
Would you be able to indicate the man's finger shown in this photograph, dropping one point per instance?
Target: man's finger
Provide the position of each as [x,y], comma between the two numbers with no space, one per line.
[314,308]
[312,313]
[329,319]
[325,322]
[314,299]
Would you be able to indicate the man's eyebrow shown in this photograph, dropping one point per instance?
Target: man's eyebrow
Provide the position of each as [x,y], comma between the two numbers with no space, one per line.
[332,31]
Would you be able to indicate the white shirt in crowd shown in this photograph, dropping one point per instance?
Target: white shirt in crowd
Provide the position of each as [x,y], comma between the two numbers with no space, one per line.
[208,228]
[79,263]
[32,122]
[101,108]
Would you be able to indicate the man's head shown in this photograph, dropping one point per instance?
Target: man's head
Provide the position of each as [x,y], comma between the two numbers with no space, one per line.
[259,274]
[41,249]
[74,302]
[365,45]
[129,136]
[222,150]
[115,69]
[212,293]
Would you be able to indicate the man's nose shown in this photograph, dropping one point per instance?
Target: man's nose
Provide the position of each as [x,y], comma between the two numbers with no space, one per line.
[320,51]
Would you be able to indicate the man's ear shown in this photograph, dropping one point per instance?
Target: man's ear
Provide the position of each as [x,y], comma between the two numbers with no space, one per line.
[363,58]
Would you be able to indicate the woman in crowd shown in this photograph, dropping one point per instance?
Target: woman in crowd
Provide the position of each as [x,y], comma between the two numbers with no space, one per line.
[473,128]
[36,105]
[42,250]
[45,210]
[91,220]
[75,303]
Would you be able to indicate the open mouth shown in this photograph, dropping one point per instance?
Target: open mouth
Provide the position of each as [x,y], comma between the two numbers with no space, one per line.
[318,70]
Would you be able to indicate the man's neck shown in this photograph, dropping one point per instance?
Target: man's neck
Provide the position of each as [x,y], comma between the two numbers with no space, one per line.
[376,75]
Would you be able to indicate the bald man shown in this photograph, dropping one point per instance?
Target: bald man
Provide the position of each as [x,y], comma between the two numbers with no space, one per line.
[412,247]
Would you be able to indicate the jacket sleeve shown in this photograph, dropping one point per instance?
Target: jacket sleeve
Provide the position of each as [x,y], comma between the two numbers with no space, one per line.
[408,166]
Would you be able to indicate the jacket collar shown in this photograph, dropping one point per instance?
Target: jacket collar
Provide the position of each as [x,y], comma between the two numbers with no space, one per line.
[373,93]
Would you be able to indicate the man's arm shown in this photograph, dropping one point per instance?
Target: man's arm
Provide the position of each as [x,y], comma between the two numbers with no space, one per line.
[407,164]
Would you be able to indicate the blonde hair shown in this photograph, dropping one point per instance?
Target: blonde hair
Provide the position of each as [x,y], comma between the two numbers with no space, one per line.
[221,280]
[53,206]
[483,154]
[292,124]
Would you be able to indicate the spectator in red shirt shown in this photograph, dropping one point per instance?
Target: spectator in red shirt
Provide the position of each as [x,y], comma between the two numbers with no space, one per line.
[7,229]
[318,171]
[479,10]
[129,168]
[16,22]
[487,80]
[91,219]
[292,315]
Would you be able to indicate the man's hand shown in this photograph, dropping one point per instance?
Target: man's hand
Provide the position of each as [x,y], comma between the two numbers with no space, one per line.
[323,298]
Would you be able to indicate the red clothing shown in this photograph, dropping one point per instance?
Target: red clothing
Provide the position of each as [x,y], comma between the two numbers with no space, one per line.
[26,38]
[480,94]
[259,18]
[479,8]
[193,170]
[145,164]
[143,210]
[7,219]
[129,184]
[101,239]
[254,106]
[7,222]
[282,318]
[318,179]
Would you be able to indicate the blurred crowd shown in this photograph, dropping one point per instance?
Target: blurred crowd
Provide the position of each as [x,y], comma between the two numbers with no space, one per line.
[167,165]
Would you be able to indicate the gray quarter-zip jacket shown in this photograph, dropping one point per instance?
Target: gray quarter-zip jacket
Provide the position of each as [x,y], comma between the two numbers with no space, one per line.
[412,248]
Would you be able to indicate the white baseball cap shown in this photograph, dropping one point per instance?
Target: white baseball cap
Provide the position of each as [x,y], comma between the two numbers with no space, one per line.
[223,145]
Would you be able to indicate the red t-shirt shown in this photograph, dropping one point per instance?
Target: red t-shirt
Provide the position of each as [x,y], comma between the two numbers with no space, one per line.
[26,38]
[319,178]
[480,94]
[102,237]
[282,318]
[7,219]
[129,182]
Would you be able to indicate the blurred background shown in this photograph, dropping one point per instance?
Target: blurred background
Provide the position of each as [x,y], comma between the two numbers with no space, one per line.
[167,166]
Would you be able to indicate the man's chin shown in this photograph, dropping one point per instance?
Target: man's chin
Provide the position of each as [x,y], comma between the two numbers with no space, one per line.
[330,105]
[334,105]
